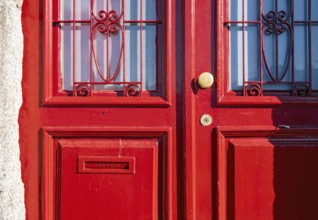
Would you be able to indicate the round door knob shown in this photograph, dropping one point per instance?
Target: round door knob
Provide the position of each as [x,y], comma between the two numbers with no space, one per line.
[205,80]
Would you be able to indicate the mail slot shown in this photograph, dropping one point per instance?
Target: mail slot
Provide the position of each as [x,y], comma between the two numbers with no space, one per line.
[95,164]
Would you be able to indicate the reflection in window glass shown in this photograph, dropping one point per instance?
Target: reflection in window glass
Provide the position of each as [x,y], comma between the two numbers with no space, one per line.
[109,46]
[272,47]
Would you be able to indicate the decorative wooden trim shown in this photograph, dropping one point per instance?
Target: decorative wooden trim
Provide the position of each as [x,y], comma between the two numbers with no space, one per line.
[49,98]
[109,101]
[268,131]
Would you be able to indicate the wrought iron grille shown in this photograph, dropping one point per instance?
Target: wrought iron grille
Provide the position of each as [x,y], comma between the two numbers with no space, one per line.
[95,56]
[284,34]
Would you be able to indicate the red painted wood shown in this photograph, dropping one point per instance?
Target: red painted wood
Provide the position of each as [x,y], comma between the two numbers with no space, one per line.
[112,195]
[264,171]
[256,161]
[113,142]
[250,139]
[48,121]
[188,99]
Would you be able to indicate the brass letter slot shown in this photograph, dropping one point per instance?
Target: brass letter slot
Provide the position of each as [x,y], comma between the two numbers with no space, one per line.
[97,164]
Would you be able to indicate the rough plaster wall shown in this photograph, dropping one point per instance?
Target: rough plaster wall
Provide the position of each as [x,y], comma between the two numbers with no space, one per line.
[11,50]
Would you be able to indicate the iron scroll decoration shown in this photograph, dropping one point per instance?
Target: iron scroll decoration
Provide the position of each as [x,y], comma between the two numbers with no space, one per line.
[275,23]
[108,24]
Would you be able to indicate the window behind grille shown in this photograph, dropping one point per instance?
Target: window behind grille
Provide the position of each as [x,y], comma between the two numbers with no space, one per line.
[108,47]
[273,47]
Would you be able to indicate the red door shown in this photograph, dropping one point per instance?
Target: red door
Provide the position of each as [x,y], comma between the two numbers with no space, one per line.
[259,157]
[115,125]
[98,126]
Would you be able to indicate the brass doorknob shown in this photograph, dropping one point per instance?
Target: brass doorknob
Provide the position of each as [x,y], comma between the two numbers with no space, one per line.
[205,80]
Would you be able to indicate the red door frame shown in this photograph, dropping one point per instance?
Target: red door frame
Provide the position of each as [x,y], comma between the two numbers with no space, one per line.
[197,139]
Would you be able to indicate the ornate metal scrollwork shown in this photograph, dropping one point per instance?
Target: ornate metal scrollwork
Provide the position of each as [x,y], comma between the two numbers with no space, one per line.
[132,89]
[301,89]
[82,90]
[277,23]
[253,89]
[107,22]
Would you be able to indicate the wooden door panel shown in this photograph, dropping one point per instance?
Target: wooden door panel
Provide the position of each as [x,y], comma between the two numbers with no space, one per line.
[267,174]
[112,172]
[98,172]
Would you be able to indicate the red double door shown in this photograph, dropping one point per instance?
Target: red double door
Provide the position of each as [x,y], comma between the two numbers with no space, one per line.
[190,153]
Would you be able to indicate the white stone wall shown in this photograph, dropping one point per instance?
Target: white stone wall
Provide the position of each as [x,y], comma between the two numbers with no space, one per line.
[11,51]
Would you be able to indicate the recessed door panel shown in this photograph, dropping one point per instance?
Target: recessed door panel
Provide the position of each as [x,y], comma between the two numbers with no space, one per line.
[99,179]
[106,173]
[267,176]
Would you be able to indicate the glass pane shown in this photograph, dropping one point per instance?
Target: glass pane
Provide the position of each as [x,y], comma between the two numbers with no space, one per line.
[301,53]
[66,12]
[149,56]
[67,56]
[272,46]
[110,46]
[250,10]
[250,66]
[132,53]
[132,10]
[301,12]
[134,7]
[313,9]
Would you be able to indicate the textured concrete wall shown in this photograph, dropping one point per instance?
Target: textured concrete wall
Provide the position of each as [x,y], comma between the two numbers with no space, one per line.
[11,50]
